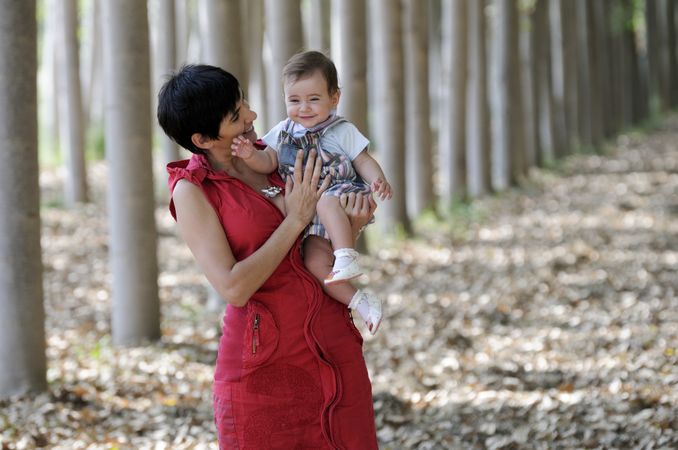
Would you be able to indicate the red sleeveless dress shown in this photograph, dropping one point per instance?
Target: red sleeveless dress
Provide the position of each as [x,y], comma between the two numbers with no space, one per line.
[290,372]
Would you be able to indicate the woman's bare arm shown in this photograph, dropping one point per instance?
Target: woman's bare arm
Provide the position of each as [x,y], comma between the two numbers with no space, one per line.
[199,226]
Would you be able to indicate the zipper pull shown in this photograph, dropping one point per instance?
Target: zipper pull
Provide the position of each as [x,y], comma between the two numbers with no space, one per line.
[256,334]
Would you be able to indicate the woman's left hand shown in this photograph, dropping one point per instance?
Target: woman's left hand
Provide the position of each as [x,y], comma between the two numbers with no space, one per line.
[359,209]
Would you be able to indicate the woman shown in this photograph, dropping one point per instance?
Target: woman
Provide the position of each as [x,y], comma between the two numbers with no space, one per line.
[290,372]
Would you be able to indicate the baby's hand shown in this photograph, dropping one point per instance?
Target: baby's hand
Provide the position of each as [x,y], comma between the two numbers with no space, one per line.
[242,147]
[381,189]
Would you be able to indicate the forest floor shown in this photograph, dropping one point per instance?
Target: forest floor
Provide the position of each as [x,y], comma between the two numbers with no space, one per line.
[542,318]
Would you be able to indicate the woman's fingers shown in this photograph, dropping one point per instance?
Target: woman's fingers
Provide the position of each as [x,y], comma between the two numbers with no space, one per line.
[311,165]
[298,162]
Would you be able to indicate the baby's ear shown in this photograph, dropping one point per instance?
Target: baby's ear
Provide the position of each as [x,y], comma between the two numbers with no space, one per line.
[334,97]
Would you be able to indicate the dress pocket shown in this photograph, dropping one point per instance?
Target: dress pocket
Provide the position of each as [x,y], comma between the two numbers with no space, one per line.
[261,335]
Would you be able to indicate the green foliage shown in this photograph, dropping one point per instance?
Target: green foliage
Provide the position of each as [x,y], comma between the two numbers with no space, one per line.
[95,142]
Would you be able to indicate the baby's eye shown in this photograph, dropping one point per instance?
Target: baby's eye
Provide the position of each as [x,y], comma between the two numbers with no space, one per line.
[315,99]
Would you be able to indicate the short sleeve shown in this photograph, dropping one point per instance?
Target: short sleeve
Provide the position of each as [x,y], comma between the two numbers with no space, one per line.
[348,138]
[271,138]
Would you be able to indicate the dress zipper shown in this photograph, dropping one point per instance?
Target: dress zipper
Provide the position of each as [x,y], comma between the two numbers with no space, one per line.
[255,336]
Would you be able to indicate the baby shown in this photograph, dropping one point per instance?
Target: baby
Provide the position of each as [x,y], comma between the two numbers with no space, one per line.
[311,96]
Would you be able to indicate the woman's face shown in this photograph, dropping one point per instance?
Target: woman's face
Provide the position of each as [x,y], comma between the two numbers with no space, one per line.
[308,100]
[239,122]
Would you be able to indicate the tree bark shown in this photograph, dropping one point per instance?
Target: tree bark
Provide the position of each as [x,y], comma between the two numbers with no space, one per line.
[220,30]
[389,110]
[478,122]
[507,143]
[253,12]
[452,142]
[528,82]
[419,160]
[545,122]
[584,74]
[136,311]
[596,57]
[284,36]
[570,59]
[22,316]
[164,62]
[557,52]
[318,26]
[70,106]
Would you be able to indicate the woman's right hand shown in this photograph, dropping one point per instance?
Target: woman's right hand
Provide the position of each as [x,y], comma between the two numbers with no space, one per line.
[302,191]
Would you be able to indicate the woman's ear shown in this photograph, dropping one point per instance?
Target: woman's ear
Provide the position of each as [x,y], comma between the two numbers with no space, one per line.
[201,141]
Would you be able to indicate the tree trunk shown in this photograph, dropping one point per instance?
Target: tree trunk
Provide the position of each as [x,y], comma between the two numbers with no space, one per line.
[654,56]
[220,31]
[569,20]
[23,364]
[318,26]
[70,106]
[507,144]
[253,12]
[389,110]
[528,82]
[545,122]
[91,74]
[557,52]
[596,56]
[350,56]
[452,142]
[478,122]
[419,163]
[136,312]
[584,74]
[49,83]
[672,50]
[164,62]
[284,36]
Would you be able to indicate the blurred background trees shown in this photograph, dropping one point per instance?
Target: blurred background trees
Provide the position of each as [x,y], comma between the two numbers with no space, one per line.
[460,98]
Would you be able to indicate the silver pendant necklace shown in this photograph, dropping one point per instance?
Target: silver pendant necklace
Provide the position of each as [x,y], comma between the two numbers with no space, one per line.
[271,191]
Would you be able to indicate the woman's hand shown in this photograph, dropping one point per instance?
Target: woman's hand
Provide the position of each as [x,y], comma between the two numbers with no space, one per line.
[359,209]
[302,191]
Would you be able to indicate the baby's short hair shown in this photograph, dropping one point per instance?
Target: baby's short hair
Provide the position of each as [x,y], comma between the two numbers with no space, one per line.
[306,63]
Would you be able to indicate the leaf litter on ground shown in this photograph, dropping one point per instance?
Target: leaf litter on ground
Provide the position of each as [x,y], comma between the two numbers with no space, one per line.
[551,321]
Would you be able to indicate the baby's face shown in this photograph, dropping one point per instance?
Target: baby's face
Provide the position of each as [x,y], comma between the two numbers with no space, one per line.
[308,100]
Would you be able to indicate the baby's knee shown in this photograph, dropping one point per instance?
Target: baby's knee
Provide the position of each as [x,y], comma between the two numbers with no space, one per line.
[327,203]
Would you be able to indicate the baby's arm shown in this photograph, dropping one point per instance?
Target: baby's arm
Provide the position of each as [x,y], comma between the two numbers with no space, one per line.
[262,161]
[370,171]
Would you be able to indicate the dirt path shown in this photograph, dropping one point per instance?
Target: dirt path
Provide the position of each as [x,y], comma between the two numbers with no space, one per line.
[543,318]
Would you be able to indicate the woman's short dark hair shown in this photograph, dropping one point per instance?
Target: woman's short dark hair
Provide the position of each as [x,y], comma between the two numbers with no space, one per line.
[307,63]
[195,100]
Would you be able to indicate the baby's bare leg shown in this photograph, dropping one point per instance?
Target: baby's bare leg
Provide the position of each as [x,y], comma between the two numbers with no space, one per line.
[334,219]
[319,259]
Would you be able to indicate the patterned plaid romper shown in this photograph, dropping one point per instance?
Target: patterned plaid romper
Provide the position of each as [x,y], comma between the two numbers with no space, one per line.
[337,166]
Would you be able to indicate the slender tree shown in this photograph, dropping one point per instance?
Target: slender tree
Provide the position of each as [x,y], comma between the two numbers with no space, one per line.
[23,364]
[672,50]
[584,74]
[528,82]
[285,38]
[454,62]
[164,62]
[253,39]
[596,77]
[419,157]
[478,121]
[133,259]
[70,106]
[654,56]
[542,60]
[507,145]
[350,56]
[221,38]
[558,68]
[318,26]
[568,13]
[389,109]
